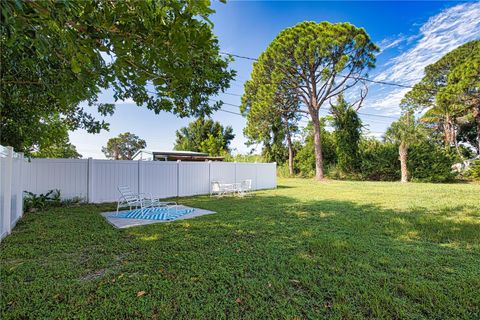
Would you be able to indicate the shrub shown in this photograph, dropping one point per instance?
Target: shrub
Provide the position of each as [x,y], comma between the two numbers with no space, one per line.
[33,202]
[305,158]
[428,162]
[473,171]
[379,161]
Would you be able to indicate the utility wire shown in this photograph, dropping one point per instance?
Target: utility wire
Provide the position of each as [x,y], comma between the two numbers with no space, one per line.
[353,77]
[360,113]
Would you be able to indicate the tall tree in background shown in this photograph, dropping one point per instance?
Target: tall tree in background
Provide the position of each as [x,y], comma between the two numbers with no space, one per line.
[405,132]
[272,117]
[450,89]
[56,54]
[348,131]
[123,147]
[205,135]
[319,61]
[463,85]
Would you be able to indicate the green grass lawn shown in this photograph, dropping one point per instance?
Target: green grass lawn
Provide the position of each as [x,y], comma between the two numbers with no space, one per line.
[307,250]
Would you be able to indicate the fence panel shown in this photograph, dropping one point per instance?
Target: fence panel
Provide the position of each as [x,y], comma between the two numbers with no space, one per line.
[222,171]
[266,175]
[11,192]
[4,207]
[17,191]
[244,171]
[107,175]
[159,178]
[193,178]
[67,175]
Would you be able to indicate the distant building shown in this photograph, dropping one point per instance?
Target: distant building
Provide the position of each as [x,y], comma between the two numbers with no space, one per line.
[149,155]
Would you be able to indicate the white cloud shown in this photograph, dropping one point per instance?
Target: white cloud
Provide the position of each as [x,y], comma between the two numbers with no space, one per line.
[126,101]
[439,35]
[391,42]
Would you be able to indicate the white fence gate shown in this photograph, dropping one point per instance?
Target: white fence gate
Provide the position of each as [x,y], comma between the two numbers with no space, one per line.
[12,167]
[96,181]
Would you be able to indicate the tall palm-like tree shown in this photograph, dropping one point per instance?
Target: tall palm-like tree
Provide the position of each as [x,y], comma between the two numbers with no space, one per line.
[405,132]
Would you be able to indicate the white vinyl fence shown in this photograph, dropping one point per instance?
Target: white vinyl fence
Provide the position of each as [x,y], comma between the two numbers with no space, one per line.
[96,181]
[12,167]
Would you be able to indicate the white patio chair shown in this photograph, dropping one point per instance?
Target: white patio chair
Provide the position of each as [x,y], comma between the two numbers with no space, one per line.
[221,189]
[245,187]
[139,200]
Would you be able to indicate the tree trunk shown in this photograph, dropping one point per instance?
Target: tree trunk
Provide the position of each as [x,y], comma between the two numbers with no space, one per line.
[448,131]
[403,154]
[318,145]
[290,147]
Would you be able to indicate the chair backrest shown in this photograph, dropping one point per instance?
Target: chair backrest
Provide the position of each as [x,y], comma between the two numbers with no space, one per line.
[215,186]
[247,184]
[127,194]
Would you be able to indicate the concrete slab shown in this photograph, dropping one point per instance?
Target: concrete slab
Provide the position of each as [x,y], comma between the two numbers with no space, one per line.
[122,223]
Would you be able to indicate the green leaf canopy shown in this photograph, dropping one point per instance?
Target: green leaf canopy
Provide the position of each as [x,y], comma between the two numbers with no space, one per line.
[55,54]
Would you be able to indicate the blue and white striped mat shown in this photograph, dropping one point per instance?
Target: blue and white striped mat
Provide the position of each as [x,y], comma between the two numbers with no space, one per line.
[163,214]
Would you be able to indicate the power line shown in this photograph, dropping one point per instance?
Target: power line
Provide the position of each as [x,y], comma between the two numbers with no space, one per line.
[360,113]
[353,77]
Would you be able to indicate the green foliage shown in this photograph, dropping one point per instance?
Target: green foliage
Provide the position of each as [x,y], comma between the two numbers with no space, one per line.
[305,158]
[467,133]
[379,160]
[272,116]
[123,147]
[348,130]
[33,202]
[56,54]
[205,135]
[473,171]
[406,129]
[429,162]
[450,89]
[245,158]
[334,250]
[64,149]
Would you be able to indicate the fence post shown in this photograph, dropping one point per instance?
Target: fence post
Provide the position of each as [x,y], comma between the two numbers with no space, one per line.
[178,177]
[20,185]
[235,170]
[90,197]
[140,176]
[7,193]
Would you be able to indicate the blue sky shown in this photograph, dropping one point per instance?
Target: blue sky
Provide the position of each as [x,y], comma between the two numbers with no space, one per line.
[410,34]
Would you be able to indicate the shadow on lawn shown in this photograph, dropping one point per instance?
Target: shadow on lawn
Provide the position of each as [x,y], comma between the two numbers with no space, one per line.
[287,217]
[280,256]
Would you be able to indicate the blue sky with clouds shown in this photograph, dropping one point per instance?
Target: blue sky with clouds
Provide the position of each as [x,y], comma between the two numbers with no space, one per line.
[410,34]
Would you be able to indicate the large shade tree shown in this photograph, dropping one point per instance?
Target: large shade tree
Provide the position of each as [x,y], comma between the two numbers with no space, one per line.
[55,54]
[319,61]
[205,135]
[450,90]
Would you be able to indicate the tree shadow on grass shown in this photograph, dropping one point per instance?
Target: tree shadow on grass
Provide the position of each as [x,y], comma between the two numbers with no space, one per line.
[258,257]
[361,259]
